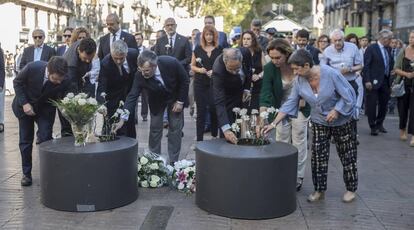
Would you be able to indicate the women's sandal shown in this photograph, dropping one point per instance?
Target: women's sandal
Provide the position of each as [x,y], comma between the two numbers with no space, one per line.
[316,196]
[349,197]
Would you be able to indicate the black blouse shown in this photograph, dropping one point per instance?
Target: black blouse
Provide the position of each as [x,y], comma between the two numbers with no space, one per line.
[206,62]
[406,66]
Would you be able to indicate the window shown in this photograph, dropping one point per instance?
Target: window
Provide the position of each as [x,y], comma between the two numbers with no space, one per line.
[23,14]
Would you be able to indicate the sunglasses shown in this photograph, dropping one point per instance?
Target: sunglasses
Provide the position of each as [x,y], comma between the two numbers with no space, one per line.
[37,37]
[67,35]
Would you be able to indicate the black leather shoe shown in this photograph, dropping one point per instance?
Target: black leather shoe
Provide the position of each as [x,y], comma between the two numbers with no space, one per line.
[299,184]
[374,132]
[382,129]
[26,181]
[144,119]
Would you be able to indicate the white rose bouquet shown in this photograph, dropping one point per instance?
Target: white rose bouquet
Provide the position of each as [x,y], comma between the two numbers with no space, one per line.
[152,171]
[80,111]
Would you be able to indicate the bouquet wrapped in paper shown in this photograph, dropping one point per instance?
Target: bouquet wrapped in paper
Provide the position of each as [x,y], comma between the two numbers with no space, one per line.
[152,170]
[183,176]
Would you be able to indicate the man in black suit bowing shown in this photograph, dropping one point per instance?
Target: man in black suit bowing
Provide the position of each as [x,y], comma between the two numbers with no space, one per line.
[115,33]
[174,44]
[166,83]
[231,86]
[378,64]
[37,52]
[115,80]
[35,85]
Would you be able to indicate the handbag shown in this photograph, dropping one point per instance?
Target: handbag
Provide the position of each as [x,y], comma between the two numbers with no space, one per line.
[398,89]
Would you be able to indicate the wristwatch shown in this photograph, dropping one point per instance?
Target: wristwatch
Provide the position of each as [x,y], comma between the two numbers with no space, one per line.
[350,69]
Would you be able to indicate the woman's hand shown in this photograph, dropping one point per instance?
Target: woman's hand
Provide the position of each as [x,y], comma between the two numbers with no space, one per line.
[209,73]
[255,77]
[332,116]
[202,70]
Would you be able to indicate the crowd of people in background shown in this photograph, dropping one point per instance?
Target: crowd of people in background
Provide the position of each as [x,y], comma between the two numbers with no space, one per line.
[324,83]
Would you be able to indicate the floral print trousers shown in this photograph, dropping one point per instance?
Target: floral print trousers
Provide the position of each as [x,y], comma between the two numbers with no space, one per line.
[347,152]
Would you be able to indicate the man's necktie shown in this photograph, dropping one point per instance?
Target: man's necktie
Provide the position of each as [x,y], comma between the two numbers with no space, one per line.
[171,43]
[113,37]
[386,61]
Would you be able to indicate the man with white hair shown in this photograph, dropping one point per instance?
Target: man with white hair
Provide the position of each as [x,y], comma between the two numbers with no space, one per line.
[346,58]
[37,52]
[115,80]
[378,64]
[231,86]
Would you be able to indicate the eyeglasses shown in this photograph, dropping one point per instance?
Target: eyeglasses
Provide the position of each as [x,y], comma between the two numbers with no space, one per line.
[67,35]
[37,37]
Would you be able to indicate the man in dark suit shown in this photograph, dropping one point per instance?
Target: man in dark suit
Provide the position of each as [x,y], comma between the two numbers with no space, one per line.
[174,44]
[222,37]
[166,82]
[139,37]
[35,86]
[256,27]
[39,51]
[67,34]
[302,42]
[378,64]
[115,33]
[231,85]
[115,80]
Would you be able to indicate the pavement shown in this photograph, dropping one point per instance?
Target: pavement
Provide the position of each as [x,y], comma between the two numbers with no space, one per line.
[385,196]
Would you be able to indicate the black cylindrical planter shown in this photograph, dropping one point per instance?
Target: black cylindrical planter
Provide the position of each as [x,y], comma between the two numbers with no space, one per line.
[98,176]
[246,182]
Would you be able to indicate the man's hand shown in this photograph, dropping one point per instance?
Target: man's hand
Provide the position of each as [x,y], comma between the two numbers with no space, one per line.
[368,86]
[267,129]
[117,126]
[88,74]
[177,108]
[246,96]
[28,109]
[333,115]
[344,71]
[230,136]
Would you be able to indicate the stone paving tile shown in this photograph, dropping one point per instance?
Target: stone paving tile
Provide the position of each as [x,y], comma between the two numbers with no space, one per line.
[385,193]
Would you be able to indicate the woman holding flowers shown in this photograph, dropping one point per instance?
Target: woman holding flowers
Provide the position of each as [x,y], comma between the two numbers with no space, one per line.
[404,68]
[202,62]
[278,81]
[249,41]
[333,105]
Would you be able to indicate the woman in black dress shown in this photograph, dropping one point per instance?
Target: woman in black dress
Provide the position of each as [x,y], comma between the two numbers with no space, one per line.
[249,40]
[202,62]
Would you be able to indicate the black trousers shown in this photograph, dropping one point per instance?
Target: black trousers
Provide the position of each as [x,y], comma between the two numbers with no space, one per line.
[376,105]
[203,95]
[406,109]
[44,120]
[144,103]
[354,122]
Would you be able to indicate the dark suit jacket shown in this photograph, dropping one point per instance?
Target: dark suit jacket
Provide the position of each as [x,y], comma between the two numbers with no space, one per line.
[374,66]
[115,85]
[104,48]
[76,69]
[28,55]
[222,40]
[61,50]
[29,88]
[176,86]
[228,89]
[2,69]
[181,49]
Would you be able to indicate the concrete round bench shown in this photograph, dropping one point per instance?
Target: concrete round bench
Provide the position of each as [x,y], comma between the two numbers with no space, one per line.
[96,177]
[246,182]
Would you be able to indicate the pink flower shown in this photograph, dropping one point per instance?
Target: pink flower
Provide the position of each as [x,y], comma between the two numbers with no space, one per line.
[181,176]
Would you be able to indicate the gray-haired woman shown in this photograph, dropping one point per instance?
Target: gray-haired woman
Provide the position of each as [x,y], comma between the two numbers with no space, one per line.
[332,102]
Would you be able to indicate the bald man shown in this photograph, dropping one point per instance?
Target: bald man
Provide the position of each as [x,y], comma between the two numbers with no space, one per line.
[115,33]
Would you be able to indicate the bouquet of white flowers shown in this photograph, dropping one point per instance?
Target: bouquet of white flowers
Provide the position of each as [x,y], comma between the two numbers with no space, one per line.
[109,122]
[80,111]
[183,176]
[152,171]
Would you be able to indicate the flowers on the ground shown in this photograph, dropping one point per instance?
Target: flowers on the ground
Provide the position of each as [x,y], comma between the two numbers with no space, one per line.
[152,171]
[183,176]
